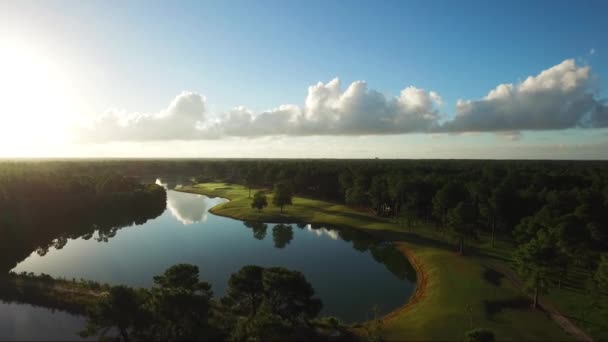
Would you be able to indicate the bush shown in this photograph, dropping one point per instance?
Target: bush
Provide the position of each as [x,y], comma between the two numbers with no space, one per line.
[479,335]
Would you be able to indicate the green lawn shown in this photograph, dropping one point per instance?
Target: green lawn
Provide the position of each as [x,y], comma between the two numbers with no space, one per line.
[589,312]
[461,292]
[303,209]
[455,292]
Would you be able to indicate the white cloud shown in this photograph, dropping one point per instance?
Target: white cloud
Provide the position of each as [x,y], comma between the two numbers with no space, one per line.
[180,120]
[330,111]
[558,98]
[592,51]
[510,135]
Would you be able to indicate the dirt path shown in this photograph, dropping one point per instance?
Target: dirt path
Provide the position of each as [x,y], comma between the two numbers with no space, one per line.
[566,324]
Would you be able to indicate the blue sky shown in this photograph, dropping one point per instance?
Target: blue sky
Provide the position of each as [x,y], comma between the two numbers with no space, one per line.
[137,57]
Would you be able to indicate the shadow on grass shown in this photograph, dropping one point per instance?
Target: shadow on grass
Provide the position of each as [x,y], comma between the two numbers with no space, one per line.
[390,235]
[494,307]
[492,276]
[354,216]
[482,252]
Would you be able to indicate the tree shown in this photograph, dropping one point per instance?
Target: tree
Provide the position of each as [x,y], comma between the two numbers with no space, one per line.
[379,196]
[282,195]
[461,222]
[181,303]
[355,195]
[265,326]
[184,276]
[245,292]
[480,193]
[251,179]
[447,198]
[535,261]
[601,274]
[346,181]
[120,309]
[479,335]
[397,187]
[259,201]
[270,302]
[289,294]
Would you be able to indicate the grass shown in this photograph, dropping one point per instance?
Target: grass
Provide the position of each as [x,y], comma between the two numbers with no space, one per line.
[465,292]
[455,293]
[302,210]
[588,311]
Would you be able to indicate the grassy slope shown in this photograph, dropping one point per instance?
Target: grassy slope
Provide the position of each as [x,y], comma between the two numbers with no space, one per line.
[590,315]
[455,288]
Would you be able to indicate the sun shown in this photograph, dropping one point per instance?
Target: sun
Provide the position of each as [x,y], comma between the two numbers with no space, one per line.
[37,100]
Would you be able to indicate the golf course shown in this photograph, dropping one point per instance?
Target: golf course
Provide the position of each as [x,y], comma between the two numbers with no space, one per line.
[455,293]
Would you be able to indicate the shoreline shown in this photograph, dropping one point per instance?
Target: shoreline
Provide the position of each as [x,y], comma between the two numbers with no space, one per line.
[453,293]
[421,284]
[421,277]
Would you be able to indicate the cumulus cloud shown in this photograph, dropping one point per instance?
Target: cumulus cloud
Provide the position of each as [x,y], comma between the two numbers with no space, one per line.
[563,96]
[328,110]
[180,120]
[558,98]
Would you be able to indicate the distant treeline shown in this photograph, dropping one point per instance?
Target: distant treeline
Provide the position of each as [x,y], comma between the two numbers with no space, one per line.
[42,208]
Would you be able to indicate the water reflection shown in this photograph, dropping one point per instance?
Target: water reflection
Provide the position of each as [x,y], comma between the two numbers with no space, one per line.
[169,183]
[333,234]
[17,242]
[342,264]
[23,322]
[384,252]
[259,229]
[282,234]
[188,208]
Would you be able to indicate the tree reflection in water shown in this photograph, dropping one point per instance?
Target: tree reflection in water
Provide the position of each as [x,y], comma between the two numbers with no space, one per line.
[102,219]
[382,251]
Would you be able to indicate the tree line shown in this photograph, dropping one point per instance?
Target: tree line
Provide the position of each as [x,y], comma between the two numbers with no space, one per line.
[260,303]
[41,209]
[555,212]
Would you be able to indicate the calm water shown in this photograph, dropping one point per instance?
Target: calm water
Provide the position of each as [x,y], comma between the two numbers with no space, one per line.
[30,323]
[350,271]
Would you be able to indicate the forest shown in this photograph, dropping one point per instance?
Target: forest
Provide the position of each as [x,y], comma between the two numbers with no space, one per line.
[40,209]
[554,213]
[561,205]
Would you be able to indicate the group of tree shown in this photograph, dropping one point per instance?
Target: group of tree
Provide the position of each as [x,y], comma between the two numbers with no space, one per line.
[555,211]
[260,304]
[40,209]
[282,195]
[560,206]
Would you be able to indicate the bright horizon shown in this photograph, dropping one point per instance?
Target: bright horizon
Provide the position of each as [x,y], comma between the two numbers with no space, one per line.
[472,80]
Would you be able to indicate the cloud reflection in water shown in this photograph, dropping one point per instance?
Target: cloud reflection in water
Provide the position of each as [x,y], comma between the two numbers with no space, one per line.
[333,234]
[188,208]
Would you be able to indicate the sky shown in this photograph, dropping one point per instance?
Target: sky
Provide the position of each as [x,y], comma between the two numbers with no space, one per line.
[313,79]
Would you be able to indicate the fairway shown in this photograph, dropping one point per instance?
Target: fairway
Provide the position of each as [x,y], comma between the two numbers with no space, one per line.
[455,293]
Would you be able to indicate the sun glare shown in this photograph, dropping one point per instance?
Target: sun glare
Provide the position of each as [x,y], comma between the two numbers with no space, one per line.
[37,100]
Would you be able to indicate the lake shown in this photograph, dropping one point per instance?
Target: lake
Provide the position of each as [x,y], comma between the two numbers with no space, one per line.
[351,271]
